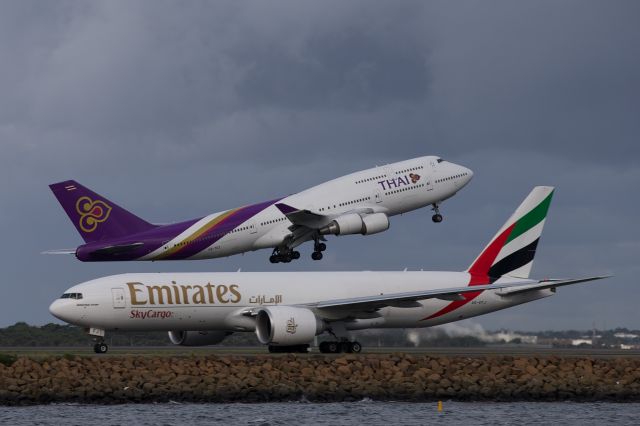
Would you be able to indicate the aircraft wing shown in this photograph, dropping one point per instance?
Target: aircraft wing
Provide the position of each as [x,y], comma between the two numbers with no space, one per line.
[303,217]
[309,219]
[410,299]
[405,299]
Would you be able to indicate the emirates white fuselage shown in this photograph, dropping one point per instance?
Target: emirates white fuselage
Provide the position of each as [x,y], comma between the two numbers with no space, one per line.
[220,301]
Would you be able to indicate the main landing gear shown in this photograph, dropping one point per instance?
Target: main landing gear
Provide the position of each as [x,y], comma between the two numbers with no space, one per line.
[342,346]
[325,348]
[283,256]
[339,345]
[437,217]
[318,248]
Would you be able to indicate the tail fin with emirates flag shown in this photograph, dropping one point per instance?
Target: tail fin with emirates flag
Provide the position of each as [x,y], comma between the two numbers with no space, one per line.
[512,249]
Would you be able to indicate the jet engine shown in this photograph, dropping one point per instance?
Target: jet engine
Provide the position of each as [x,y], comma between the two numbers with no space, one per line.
[197,338]
[353,223]
[374,223]
[287,325]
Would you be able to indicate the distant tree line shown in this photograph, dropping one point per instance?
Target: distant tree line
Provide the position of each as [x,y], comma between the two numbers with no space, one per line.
[56,335]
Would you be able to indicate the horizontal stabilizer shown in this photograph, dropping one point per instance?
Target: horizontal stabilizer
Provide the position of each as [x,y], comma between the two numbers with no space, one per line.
[549,284]
[60,251]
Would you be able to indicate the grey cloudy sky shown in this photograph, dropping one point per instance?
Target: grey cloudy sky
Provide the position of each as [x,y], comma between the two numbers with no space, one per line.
[177,109]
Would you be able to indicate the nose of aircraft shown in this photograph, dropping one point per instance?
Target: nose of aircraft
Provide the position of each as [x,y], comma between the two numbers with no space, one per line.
[57,309]
[468,175]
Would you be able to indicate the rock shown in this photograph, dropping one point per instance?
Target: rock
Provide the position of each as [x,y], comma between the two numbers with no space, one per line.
[321,378]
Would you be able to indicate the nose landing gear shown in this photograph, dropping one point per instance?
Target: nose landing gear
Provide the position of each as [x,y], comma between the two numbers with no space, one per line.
[437,217]
[100,348]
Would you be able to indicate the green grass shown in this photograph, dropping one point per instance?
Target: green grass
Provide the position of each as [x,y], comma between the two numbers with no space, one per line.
[7,359]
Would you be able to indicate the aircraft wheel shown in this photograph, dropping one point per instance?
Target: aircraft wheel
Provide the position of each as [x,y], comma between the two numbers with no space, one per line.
[295,255]
[437,218]
[322,247]
[100,348]
[355,347]
[333,347]
[273,258]
[316,255]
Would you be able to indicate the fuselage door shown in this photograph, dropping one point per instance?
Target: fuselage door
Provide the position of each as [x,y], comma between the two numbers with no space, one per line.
[428,183]
[117,295]
[377,195]
[430,173]
[253,228]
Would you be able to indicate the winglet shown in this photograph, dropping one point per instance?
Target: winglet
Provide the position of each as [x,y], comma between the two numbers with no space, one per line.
[285,208]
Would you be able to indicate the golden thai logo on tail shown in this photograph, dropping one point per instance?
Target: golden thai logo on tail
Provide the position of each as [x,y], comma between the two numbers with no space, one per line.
[92,212]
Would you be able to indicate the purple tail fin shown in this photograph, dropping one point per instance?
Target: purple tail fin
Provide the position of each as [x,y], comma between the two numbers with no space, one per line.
[95,217]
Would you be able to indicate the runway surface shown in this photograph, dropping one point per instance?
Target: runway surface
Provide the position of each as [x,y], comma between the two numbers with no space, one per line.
[506,350]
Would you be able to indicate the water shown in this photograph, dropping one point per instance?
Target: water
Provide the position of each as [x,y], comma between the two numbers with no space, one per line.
[367,412]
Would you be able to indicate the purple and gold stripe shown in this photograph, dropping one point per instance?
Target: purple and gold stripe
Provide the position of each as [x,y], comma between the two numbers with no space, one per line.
[212,231]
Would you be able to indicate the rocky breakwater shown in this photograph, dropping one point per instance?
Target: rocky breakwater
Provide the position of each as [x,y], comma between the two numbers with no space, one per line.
[120,379]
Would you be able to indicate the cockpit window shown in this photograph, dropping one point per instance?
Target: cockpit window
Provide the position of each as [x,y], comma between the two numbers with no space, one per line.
[440,160]
[71,296]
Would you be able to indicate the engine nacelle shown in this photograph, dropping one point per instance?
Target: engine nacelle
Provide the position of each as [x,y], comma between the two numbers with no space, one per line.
[287,325]
[374,223]
[343,225]
[197,338]
[353,223]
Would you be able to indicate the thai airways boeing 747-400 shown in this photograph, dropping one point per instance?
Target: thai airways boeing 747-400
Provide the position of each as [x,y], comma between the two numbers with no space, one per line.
[288,309]
[358,203]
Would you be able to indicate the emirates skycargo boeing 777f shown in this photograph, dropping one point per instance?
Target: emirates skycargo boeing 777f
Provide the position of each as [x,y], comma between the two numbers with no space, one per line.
[359,203]
[287,310]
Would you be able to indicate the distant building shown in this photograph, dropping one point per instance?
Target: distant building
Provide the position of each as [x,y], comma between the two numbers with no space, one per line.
[626,336]
[578,342]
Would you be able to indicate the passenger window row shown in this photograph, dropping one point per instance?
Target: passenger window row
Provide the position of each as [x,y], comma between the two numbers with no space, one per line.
[451,177]
[371,179]
[411,169]
[347,203]
[273,221]
[395,191]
